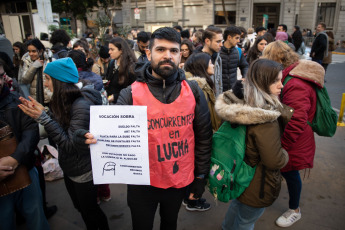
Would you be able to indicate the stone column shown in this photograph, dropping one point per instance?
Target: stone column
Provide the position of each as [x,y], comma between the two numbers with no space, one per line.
[207,13]
[126,13]
[178,11]
[150,11]
[245,12]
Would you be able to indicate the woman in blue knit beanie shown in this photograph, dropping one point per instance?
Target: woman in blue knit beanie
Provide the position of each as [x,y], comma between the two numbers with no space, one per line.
[70,107]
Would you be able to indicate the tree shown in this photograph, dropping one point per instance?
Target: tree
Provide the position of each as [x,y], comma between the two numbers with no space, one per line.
[102,23]
[78,8]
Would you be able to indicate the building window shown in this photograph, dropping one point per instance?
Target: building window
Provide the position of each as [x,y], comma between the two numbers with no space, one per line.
[325,13]
[220,19]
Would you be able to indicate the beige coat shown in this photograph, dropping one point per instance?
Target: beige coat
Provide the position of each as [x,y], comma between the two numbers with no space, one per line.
[211,100]
[98,67]
[28,75]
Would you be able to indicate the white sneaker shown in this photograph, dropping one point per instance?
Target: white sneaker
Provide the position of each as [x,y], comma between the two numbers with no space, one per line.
[288,218]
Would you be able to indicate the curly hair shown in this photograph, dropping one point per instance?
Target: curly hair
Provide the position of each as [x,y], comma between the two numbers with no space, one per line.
[280,52]
[60,36]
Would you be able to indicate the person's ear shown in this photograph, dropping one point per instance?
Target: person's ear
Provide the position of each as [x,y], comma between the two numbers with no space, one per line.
[207,41]
[148,54]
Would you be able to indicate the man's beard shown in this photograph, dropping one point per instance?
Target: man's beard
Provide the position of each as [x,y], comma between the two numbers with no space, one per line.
[213,51]
[164,71]
[143,52]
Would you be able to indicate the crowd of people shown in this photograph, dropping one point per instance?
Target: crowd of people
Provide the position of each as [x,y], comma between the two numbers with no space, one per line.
[235,76]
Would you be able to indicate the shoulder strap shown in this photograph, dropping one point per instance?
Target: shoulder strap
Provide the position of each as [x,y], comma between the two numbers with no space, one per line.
[239,53]
[287,78]
[195,89]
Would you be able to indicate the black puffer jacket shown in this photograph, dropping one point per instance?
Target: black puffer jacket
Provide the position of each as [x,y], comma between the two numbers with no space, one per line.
[201,124]
[24,127]
[230,62]
[113,87]
[74,161]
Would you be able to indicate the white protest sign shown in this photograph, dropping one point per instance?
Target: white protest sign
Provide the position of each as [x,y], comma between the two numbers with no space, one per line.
[121,153]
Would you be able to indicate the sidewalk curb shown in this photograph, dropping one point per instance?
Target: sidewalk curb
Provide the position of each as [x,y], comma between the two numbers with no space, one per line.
[340,53]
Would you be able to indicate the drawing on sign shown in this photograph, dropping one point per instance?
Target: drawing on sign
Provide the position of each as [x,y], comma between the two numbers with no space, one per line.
[109,166]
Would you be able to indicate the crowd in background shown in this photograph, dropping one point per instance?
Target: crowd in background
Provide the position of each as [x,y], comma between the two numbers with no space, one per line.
[54,75]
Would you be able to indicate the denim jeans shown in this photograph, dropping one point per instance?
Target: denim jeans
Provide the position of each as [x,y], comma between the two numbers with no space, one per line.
[294,184]
[317,60]
[28,202]
[241,217]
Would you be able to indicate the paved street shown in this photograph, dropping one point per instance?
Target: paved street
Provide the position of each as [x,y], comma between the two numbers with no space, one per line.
[322,201]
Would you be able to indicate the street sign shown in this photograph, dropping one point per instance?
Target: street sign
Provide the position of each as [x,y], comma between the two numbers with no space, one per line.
[136,13]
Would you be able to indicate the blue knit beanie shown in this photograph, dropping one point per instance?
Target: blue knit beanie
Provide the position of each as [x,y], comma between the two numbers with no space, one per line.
[63,69]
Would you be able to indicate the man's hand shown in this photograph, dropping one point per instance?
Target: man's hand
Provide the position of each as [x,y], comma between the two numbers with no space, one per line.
[197,188]
[9,161]
[90,139]
[5,171]
[7,166]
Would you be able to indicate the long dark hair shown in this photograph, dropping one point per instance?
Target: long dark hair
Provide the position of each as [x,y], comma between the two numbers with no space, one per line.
[17,60]
[64,94]
[36,43]
[254,53]
[197,64]
[190,46]
[22,48]
[128,58]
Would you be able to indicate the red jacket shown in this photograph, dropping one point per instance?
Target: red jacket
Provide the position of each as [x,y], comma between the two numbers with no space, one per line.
[299,93]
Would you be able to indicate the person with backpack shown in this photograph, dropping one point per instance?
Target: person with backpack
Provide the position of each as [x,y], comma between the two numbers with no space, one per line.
[212,40]
[264,117]
[298,138]
[232,57]
[60,41]
[201,68]
[70,109]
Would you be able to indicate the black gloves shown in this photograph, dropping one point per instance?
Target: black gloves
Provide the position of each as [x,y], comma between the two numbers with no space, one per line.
[79,138]
[198,187]
[237,89]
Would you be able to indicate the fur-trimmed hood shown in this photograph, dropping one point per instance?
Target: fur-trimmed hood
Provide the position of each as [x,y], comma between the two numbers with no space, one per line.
[201,81]
[310,71]
[232,109]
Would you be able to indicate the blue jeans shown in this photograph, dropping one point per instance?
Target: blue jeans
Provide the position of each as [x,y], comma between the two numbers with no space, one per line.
[317,60]
[294,184]
[28,202]
[241,217]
